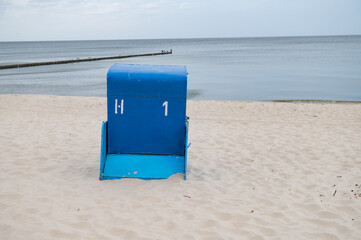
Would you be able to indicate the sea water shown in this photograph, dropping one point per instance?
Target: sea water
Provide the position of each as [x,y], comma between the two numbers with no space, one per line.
[281,68]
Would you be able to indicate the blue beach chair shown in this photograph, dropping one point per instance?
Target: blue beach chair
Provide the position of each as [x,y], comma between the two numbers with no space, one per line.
[146,135]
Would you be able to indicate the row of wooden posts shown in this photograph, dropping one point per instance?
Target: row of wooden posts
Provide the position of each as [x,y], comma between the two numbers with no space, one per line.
[81,60]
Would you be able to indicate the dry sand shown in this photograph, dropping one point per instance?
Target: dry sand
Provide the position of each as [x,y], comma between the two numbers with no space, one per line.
[255,171]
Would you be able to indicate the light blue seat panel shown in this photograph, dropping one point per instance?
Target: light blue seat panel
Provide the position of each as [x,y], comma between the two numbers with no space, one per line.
[116,166]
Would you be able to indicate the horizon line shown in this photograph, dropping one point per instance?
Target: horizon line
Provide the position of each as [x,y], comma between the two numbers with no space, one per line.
[185,38]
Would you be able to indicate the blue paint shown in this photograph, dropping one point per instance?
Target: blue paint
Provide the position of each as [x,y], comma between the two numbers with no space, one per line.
[143,127]
[147,80]
[186,151]
[138,120]
[146,135]
[117,166]
[103,148]
[143,166]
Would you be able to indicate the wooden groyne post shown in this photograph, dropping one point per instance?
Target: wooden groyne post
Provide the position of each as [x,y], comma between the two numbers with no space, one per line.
[81,60]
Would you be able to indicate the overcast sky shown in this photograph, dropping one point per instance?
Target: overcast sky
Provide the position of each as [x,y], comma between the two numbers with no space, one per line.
[32,20]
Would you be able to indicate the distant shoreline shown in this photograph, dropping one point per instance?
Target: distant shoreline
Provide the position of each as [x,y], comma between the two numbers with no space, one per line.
[200,38]
[312,101]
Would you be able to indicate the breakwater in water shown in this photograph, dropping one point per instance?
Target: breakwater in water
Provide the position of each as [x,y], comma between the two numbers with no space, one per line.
[81,60]
[250,69]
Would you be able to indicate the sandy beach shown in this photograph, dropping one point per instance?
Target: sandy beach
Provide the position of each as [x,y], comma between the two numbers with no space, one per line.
[256,170]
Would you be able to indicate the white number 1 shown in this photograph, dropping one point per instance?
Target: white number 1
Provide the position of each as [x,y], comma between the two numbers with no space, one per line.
[165,105]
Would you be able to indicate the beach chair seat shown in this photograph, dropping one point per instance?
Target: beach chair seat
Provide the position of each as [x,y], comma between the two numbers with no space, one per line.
[147,128]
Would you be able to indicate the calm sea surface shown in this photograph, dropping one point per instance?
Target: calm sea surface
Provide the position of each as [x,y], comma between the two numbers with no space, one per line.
[323,68]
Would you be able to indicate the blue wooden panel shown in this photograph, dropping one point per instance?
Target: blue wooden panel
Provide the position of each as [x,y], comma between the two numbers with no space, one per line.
[103,147]
[142,166]
[146,109]
[186,151]
[147,80]
[115,166]
[145,125]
